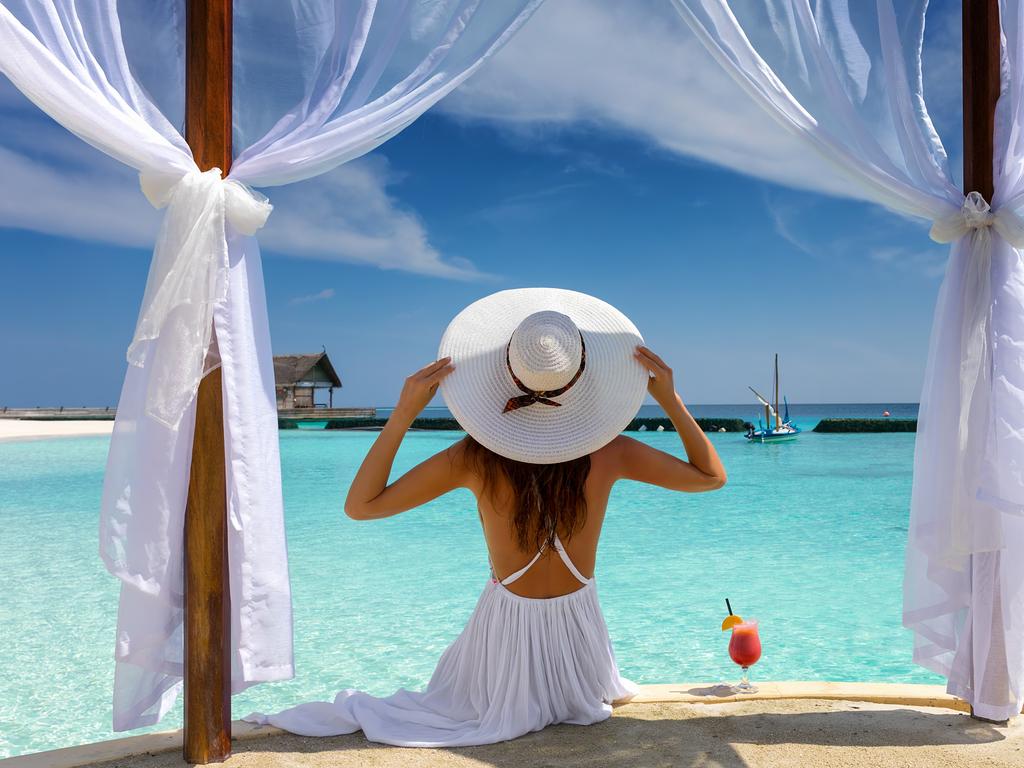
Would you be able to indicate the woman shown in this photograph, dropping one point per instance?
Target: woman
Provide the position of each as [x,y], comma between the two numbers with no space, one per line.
[543,381]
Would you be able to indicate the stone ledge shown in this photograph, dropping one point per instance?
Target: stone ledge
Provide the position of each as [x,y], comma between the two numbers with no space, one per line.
[129,746]
[687,693]
[899,694]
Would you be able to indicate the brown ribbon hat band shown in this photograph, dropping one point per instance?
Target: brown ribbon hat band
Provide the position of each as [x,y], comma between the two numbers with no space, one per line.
[532,396]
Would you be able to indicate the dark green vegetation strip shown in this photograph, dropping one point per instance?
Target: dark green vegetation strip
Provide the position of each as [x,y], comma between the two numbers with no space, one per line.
[707,424]
[358,422]
[867,425]
[364,423]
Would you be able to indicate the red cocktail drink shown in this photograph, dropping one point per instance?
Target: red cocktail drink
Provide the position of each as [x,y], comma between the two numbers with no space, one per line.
[745,645]
[745,650]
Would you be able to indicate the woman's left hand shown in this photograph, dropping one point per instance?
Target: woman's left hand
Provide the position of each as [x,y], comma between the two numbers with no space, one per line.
[421,386]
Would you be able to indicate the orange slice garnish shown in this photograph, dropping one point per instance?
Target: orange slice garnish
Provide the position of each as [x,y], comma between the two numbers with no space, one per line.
[731,621]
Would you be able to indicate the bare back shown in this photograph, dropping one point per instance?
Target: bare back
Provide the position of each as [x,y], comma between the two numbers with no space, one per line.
[549,576]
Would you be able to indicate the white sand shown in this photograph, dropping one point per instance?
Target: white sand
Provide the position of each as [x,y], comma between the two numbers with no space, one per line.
[14,429]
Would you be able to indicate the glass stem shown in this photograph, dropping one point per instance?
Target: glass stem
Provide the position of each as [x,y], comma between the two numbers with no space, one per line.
[744,681]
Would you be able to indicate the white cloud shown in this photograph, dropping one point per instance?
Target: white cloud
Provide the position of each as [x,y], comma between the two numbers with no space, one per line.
[527,207]
[326,293]
[795,219]
[349,215]
[622,65]
[635,66]
[101,202]
[52,182]
[930,263]
[785,218]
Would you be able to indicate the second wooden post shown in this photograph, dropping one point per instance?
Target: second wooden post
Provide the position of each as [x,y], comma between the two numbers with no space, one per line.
[207,596]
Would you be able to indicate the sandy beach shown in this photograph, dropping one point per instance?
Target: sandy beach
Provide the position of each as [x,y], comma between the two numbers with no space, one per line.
[759,733]
[16,429]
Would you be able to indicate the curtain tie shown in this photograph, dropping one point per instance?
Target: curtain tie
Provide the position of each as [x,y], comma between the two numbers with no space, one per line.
[976,219]
[187,279]
[977,214]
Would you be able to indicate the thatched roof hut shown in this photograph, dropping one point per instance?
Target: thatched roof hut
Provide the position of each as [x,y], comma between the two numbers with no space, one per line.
[297,377]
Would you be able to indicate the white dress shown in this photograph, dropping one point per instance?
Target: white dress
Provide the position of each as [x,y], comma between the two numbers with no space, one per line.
[520,665]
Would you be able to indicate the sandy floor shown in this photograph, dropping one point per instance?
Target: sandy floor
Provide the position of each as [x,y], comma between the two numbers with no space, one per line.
[815,733]
[13,429]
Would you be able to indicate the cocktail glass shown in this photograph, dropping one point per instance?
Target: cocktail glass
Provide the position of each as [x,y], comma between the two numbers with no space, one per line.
[745,650]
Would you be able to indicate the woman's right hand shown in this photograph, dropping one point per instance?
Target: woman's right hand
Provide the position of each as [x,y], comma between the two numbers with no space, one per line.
[661,384]
[420,387]
[702,470]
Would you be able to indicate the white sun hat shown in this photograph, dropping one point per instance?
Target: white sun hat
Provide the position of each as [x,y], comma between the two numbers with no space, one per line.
[542,375]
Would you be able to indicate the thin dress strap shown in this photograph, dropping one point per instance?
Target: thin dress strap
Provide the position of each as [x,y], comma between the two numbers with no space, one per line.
[509,579]
[561,553]
[568,562]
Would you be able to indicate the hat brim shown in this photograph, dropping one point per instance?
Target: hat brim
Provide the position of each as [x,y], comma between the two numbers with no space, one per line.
[591,413]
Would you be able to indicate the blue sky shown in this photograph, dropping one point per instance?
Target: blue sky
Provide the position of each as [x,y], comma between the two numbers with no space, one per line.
[544,170]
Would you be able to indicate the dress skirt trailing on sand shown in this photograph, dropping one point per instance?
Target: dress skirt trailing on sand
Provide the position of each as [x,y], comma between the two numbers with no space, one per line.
[520,665]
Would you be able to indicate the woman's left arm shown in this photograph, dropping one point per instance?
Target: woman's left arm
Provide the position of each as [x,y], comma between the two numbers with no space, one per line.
[370,497]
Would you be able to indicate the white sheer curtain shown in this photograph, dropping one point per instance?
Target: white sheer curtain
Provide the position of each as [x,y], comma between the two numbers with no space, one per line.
[850,87]
[318,82]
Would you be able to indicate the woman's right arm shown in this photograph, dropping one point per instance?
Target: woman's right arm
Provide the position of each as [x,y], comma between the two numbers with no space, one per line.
[370,496]
[638,461]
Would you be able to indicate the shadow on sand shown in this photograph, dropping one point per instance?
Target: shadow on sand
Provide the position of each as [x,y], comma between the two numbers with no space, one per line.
[697,739]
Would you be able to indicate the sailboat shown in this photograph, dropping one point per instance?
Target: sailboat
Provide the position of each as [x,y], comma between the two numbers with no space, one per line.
[776,427]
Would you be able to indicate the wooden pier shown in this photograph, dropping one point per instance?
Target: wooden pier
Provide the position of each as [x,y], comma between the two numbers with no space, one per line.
[107,414]
[59,414]
[325,414]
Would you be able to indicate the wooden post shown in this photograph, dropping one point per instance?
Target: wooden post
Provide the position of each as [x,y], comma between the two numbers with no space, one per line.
[207,595]
[981,50]
[981,44]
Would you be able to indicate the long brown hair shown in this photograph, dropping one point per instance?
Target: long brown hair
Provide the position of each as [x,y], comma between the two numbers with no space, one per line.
[546,498]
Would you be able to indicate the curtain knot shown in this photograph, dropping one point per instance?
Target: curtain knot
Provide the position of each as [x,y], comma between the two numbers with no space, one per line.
[976,214]
[244,207]
[976,211]
[187,280]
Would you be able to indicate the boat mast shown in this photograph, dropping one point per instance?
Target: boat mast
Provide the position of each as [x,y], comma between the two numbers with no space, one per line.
[767,408]
[778,423]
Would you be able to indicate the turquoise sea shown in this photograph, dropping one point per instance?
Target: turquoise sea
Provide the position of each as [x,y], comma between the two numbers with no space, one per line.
[808,537]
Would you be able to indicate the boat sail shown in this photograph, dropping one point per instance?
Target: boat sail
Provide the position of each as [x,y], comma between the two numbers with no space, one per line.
[775,427]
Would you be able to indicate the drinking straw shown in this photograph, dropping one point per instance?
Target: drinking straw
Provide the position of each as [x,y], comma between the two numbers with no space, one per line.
[727,605]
